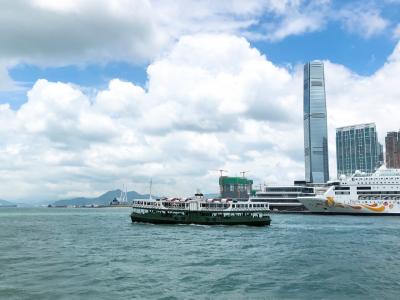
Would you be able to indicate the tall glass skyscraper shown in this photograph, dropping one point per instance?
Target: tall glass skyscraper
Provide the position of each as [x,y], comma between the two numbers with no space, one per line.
[315,126]
[357,149]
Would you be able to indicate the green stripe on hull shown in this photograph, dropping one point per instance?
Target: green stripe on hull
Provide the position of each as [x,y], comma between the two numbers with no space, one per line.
[200,219]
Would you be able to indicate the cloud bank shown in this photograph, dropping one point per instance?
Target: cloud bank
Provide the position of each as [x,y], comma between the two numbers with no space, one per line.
[211,101]
[56,33]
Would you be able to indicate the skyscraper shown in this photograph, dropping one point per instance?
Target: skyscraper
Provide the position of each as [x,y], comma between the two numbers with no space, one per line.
[357,148]
[392,145]
[315,126]
[380,154]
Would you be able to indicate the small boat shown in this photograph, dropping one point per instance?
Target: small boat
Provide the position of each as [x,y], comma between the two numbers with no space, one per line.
[198,210]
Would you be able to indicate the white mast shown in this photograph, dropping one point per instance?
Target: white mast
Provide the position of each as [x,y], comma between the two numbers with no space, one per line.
[126,194]
[121,195]
[151,184]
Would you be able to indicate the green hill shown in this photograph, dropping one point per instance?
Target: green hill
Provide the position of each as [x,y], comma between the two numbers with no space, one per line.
[103,199]
[5,203]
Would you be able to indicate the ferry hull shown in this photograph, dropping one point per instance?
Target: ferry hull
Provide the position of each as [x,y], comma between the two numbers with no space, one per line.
[330,207]
[156,218]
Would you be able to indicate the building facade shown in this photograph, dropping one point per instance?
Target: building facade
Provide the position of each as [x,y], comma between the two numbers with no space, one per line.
[235,187]
[392,145]
[381,158]
[315,124]
[357,148]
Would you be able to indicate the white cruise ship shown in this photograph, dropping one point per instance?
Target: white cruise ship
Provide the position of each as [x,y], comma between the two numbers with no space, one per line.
[374,194]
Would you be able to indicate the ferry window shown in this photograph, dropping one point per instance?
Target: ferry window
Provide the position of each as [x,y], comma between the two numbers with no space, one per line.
[233,205]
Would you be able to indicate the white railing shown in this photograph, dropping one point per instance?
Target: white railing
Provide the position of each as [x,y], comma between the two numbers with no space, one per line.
[201,208]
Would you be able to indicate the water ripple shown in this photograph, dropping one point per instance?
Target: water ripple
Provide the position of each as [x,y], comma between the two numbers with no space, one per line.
[100,254]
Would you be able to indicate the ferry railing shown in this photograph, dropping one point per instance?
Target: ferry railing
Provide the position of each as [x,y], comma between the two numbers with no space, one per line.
[202,208]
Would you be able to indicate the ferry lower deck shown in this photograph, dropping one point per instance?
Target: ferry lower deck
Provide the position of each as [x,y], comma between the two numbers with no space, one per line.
[202,218]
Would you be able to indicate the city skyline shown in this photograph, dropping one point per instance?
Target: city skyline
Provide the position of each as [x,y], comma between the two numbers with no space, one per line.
[94,95]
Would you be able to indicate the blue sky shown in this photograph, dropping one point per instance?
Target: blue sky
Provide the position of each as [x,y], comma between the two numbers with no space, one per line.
[95,94]
[361,53]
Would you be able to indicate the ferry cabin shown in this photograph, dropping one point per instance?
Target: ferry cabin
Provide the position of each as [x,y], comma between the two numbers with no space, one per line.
[226,207]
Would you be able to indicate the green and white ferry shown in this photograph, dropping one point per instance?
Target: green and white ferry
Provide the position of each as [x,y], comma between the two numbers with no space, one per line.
[198,210]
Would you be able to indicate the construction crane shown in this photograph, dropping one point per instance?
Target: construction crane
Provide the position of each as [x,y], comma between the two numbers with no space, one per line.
[244,173]
[221,172]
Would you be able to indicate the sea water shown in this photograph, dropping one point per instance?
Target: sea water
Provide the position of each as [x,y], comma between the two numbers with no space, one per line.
[50,253]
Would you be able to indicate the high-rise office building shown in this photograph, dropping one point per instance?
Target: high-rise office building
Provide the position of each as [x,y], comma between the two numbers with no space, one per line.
[392,145]
[315,125]
[357,149]
[381,159]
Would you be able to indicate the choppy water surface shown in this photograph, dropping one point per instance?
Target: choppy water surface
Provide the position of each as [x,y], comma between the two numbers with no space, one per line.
[99,254]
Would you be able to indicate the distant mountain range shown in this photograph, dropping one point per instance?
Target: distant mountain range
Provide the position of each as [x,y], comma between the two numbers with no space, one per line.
[107,197]
[6,203]
[103,199]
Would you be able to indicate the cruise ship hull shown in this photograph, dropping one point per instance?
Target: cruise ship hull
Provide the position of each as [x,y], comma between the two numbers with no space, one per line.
[321,205]
[199,218]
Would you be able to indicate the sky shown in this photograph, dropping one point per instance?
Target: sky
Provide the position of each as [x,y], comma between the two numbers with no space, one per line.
[95,94]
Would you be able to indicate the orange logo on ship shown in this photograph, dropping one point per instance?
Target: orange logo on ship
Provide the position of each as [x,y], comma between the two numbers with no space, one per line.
[330,202]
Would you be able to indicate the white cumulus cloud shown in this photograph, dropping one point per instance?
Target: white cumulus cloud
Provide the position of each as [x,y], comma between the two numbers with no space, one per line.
[364,19]
[204,108]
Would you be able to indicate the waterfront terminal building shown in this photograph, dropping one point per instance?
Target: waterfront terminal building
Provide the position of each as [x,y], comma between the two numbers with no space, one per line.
[357,148]
[284,198]
[315,124]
